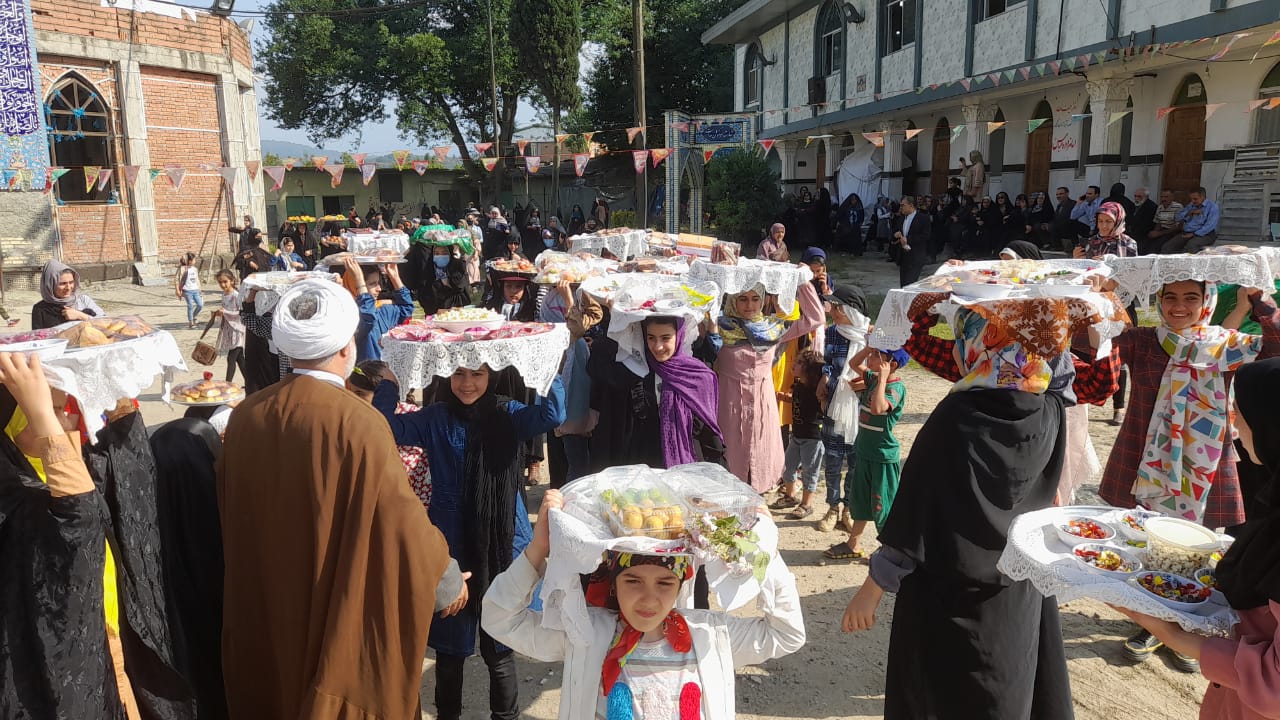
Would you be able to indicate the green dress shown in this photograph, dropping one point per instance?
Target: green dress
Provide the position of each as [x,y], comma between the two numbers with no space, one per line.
[873,482]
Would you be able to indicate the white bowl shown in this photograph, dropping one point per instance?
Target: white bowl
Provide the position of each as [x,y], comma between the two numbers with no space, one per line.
[1072,540]
[1188,607]
[1130,532]
[1060,290]
[458,326]
[1135,564]
[46,349]
[982,291]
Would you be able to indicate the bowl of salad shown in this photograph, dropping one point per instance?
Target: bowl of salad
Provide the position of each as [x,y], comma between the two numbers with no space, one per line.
[1077,530]
[1173,591]
[1107,560]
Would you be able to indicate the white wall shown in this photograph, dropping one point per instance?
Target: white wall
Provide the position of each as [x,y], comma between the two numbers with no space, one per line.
[942,57]
[897,71]
[1000,41]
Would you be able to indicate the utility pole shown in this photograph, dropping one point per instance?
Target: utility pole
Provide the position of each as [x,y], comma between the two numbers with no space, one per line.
[498,169]
[637,50]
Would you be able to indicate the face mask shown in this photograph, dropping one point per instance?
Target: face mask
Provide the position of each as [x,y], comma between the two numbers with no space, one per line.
[548,242]
[440,260]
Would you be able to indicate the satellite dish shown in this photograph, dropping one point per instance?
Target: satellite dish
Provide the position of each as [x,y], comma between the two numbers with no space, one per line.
[852,14]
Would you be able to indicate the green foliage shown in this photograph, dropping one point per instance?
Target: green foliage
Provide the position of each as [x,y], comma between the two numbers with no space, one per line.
[548,35]
[271,160]
[623,218]
[680,72]
[743,193]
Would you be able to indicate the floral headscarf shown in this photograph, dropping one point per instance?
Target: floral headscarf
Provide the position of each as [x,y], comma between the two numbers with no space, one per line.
[1181,456]
[1117,243]
[759,331]
[990,359]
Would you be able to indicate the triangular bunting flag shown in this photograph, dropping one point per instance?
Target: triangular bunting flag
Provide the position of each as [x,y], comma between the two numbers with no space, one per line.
[1085,60]
[1163,112]
[335,173]
[681,126]
[131,174]
[562,137]
[875,138]
[933,86]
[91,173]
[580,163]
[1008,75]
[706,156]
[207,166]
[176,173]
[657,155]
[367,172]
[1218,55]
[253,166]
[521,145]
[103,178]
[153,172]
[276,173]
[914,132]
[1275,38]
[482,148]
[632,132]
[1025,72]
[1100,57]
[319,161]
[289,163]
[638,160]
[767,145]
[809,140]
[1273,103]
[420,166]
[994,126]
[1210,109]
[442,152]
[586,137]
[955,132]
[532,163]
[1117,117]
[1034,124]
[994,78]
[401,157]
[489,163]
[1077,117]
[358,158]
[966,83]
[1055,66]
[1040,69]
[229,177]
[1070,63]
[1255,104]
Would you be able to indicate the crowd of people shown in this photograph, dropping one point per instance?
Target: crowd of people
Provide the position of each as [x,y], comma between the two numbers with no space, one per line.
[202,572]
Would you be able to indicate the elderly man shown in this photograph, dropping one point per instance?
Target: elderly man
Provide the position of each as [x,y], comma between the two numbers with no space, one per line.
[1143,221]
[1199,225]
[1166,222]
[774,247]
[332,569]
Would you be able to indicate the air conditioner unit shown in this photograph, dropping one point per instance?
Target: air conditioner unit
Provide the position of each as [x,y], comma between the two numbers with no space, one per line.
[817,90]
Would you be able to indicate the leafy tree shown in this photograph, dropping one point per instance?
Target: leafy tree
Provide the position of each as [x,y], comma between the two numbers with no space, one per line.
[743,193]
[680,72]
[548,36]
[332,65]
[271,160]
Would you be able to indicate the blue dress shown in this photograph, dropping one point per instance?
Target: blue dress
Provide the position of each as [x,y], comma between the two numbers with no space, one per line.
[445,440]
[377,321]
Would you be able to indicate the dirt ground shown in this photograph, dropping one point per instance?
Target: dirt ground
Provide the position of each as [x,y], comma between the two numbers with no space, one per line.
[834,675]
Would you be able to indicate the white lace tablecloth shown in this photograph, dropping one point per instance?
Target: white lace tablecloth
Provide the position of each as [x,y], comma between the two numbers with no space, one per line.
[580,538]
[780,279]
[362,244]
[1034,552]
[535,357]
[97,377]
[1139,278]
[270,285]
[632,243]
[627,290]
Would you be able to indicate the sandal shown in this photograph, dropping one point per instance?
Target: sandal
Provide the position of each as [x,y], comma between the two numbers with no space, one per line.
[801,512]
[841,551]
[784,502]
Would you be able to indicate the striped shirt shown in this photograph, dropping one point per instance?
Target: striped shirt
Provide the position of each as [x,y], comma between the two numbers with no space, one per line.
[655,674]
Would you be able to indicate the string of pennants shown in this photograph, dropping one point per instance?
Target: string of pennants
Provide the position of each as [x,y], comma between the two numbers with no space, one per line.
[1071,64]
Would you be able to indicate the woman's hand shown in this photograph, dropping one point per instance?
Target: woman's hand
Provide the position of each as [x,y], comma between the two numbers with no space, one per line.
[460,602]
[566,292]
[1246,295]
[71,313]
[954,262]
[25,379]
[1169,633]
[1077,252]
[861,611]
[350,265]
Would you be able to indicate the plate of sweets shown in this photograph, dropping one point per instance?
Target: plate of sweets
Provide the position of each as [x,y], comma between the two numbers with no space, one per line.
[468,318]
[1173,591]
[207,392]
[1078,530]
[1107,560]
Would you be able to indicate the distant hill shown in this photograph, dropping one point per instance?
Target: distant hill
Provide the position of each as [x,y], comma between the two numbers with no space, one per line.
[284,148]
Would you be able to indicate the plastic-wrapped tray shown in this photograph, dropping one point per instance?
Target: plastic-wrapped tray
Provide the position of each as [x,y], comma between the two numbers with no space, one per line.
[649,509]
[723,502]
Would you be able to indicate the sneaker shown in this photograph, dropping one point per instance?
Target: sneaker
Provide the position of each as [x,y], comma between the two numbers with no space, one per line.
[828,521]
[1186,664]
[1141,646]
[846,520]
[1117,418]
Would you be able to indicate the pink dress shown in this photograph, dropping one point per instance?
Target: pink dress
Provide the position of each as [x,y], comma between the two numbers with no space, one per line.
[748,413]
[1244,672]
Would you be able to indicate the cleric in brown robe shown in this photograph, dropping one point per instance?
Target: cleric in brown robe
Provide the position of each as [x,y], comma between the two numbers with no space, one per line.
[333,571]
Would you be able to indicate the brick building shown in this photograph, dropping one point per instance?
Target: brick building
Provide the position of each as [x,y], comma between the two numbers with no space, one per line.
[144,90]
[1164,94]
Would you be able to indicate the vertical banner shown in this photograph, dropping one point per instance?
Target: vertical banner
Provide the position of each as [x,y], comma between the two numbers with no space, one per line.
[400,157]
[580,163]
[276,173]
[367,171]
[638,160]
[532,163]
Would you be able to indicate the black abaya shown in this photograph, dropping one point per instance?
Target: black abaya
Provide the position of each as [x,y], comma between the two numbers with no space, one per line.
[967,642]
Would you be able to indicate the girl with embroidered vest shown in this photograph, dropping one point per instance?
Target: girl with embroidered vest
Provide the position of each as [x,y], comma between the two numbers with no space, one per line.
[646,659]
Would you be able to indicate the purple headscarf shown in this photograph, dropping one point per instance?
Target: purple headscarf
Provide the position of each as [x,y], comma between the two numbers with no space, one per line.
[689,390]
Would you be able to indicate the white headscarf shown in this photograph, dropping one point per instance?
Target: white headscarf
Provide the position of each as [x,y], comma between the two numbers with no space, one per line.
[326,332]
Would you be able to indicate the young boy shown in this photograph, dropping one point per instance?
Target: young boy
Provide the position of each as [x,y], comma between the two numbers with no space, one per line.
[375,321]
[873,482]
[804,447]
[846,336]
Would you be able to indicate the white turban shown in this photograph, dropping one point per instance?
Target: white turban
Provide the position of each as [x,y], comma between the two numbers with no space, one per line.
[326,331]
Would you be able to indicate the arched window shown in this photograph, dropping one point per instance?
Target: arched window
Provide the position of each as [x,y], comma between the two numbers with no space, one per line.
[830,38]
[1126,135]
[995,154]
[753,77]
[1268,128]
[1086,132]
[79,128]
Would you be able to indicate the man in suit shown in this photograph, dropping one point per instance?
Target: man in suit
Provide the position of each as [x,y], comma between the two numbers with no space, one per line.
[913,239]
